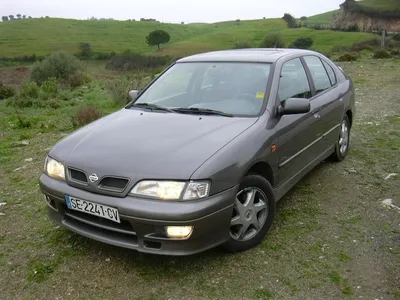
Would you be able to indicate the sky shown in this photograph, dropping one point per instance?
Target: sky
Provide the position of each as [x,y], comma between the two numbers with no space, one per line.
[171,11]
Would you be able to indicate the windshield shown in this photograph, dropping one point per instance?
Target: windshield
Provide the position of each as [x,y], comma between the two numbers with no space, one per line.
[231,88]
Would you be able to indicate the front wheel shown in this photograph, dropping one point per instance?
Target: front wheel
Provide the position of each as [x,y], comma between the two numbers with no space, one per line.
[252,215]
[343,142]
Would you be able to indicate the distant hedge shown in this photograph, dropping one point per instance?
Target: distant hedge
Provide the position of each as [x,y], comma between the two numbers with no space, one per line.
[132,61]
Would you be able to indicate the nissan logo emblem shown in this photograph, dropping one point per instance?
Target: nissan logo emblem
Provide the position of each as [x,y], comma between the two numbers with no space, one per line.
[93,178]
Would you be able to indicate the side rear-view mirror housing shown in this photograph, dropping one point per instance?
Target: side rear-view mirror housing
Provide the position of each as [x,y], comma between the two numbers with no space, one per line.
[133,94]
[294,106]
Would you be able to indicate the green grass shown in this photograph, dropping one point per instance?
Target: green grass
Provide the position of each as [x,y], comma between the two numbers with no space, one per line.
[323,19]
[381,5]
[44,36]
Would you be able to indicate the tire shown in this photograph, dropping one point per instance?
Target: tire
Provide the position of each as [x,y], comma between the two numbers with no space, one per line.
[340,151]
[251,216]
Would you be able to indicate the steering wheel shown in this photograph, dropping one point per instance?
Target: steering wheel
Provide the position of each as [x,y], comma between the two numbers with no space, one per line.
[249,98]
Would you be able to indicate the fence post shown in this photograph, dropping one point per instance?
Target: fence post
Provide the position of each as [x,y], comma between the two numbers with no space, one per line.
[383,39]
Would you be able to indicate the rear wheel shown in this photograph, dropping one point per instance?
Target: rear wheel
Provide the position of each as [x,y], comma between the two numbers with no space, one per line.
[252,214]
[343,142]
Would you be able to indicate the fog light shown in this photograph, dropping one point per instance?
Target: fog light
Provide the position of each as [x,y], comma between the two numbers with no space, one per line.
[180,232]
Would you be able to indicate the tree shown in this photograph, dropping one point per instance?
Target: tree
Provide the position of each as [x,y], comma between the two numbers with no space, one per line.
[238,22]
[290,20]
[304,20]
[158,37]
[85,50]
[24,17]
[11,17]
[19,16]
[4,18]
[29,17]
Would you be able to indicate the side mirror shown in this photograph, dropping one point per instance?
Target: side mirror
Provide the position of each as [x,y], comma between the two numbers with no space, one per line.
[293,106]
[133,94]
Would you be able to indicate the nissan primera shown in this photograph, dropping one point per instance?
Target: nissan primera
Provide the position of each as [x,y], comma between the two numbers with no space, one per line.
[200,157]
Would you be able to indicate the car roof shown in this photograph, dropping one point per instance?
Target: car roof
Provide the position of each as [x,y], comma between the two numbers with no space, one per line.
[245,55]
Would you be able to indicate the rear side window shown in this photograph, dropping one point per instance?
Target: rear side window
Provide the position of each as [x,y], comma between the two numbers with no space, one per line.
[293,82]
[331,73]
[318,73]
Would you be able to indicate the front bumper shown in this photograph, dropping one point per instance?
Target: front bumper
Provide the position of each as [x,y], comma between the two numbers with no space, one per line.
[143,220]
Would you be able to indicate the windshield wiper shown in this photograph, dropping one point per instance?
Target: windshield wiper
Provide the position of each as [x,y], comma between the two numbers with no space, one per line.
[152,107]
[202,111]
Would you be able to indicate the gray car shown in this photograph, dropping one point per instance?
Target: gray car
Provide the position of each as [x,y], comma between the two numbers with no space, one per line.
[200,157]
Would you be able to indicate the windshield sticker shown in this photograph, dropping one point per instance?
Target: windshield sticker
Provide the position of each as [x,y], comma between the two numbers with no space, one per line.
[260,95]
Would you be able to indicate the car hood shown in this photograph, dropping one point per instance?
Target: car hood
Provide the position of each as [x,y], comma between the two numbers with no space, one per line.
[148,145]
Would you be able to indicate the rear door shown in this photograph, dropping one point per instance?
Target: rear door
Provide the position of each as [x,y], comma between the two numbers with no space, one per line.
[297,134]
[328,98]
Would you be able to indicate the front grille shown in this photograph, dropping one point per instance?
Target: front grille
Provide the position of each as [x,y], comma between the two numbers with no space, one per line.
[113,184]
[78,176]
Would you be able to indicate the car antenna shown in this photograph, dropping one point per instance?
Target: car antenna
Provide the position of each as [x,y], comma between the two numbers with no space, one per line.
[276,44]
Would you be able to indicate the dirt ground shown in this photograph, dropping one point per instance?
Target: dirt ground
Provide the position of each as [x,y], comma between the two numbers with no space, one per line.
[333,237]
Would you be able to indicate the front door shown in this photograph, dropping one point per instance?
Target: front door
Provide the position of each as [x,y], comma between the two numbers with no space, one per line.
[297,134]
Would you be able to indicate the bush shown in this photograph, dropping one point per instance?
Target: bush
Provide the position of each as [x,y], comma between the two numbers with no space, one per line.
[50,86]
[6,92]
[29,90]
[119,88]
[272,40]
[60,65]
[85,116]
[132,61]
[348,57]
[242,45]
[341,49]
[85,50]
[395,52]
[382,54]
[302,43]
[78,79]
[354,28]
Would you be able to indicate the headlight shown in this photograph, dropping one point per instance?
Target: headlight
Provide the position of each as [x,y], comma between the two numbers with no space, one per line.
[171,190]
[54,168]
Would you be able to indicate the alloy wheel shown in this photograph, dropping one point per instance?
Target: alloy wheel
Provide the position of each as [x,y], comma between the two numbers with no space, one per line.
[344,138]
[249,215]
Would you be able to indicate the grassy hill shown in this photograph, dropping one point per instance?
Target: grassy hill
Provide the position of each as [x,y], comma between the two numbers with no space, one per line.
[323,19]
[381,5]
[44,36]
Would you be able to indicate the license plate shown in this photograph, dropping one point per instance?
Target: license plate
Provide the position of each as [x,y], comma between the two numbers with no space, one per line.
[92,208]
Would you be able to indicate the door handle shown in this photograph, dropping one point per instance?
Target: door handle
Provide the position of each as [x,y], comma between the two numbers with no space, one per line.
[317,115]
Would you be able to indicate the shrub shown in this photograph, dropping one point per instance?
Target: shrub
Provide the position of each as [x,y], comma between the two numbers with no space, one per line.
[395,52]
[29,90]
[382,54]
[302,43]
[60,65]
[347,57]
[6,92]
[50,86]
[132,61]
[354,28]
[85,50]
[78,79]
[85,116]
[242,45]
[119,88]
[272,40]
[341,49]
[396,37]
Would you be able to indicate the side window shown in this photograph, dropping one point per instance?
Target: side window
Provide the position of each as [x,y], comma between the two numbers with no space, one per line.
[318,73]
[331,73]
[293,82]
